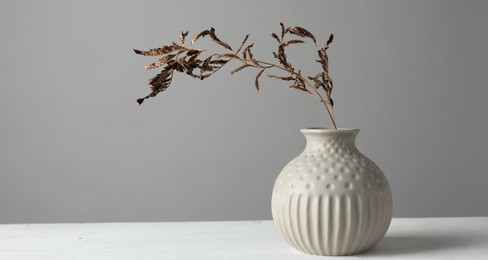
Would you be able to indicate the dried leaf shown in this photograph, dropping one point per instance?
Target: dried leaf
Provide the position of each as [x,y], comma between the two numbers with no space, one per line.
[281,52]
[282,56]
[194,61]
[159,51]
[242,44]
[282,31]
[331,38]
[256,81]
[160,81]
[182,37]
[324,59]
[276,37]
[217,40]
[239,68]
[299,88]
[300,32]
[284,44]
[246,50]
[160,62]
[228,55]
[212,35]
[301,82]
[158,84]
[200,34]
[219,61]
[251,57]
[280,77]
[193,52]
[181,65]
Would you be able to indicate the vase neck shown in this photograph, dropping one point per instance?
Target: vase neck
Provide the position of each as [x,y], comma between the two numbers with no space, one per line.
[319,138]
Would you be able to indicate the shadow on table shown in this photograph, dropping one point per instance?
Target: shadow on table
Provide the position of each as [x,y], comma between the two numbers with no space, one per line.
[412,244]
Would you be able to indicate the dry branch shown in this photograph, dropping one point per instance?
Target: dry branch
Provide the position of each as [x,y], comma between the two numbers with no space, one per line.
[201,64]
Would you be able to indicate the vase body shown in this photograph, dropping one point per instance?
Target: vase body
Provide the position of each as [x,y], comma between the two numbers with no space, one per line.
[331,199]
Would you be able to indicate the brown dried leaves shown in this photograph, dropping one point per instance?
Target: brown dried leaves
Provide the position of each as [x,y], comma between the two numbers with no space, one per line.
[179,58]
[242,44]
[323,79]
[182,37]
[212,35]
[256,80]
[160,62]
[160,51]
[300,32]
[245,65]
[158,84]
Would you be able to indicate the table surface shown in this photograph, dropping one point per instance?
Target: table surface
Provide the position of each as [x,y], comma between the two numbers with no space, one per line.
[407,238]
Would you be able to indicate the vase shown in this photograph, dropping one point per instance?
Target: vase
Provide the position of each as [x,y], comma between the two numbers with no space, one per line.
[331,199]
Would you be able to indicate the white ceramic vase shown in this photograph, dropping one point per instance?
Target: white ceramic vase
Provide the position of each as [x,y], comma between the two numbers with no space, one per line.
[331,199]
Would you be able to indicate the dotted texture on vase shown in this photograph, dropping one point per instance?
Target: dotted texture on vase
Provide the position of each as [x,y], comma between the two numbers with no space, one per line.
[331,199]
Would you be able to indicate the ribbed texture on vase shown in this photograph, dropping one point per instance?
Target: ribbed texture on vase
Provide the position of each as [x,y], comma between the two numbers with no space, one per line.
[333,224]
[331,199]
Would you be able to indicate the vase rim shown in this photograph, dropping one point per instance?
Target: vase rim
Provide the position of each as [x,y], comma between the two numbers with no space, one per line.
[321,130]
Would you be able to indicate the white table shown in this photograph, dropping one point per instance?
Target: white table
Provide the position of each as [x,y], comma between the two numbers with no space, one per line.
[421,238]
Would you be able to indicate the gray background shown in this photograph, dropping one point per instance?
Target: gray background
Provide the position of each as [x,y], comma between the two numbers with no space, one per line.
[74,147]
